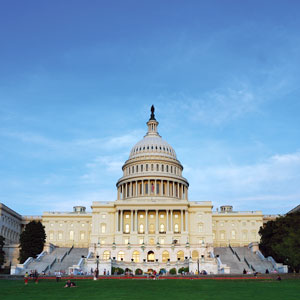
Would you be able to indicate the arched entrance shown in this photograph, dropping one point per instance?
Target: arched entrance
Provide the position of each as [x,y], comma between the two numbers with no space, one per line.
[150,256]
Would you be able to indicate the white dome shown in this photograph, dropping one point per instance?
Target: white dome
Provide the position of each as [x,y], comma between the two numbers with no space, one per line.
[152,145]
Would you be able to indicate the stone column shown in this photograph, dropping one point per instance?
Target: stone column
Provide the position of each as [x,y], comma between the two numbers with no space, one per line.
[121,228]
[117,221]
[167,219]
[186,220]
[131,220]
[156,225]
[136,220]
[146,229]
[172,221]
[136,188]
[181,213]
[173,189]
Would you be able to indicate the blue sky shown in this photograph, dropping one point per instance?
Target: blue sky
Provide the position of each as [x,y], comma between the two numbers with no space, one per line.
[77,79]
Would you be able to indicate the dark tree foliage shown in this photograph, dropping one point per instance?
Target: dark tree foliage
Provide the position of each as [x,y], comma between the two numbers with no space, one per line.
[281,240]
[32,240]
[2,254]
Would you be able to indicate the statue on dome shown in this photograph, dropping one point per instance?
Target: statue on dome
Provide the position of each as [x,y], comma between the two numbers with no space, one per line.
[152,117]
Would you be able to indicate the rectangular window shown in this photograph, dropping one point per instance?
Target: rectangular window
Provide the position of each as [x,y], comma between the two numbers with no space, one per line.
[157,188]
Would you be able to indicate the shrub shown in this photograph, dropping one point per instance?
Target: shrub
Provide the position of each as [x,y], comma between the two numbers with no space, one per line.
[173,271]
[181,270]
[138,272]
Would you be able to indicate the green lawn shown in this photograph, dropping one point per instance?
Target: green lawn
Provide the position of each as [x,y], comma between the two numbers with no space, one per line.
[152,289]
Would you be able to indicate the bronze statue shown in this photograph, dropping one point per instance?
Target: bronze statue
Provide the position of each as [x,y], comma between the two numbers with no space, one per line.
[152,117]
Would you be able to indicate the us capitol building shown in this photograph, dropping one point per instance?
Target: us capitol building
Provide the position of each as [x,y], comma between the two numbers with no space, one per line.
[152,224]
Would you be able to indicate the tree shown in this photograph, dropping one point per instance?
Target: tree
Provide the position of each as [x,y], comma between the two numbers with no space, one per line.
[32,240]
[281,240]
[2,253]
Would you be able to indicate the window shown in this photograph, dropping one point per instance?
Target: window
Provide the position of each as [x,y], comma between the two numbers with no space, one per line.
[200,227]
[176,216]
[51,224]
[161,241]
[180,255]
[60,236]
[137,168]
[142,168]
[146,188]
[102,241]
[126,241]
[146,167]
[103,216]
[195,255]
[82,235]
[106,255]
[151,216]
[233,234]
[51,236]
[82,225]
[60,225]
[152,167]
[151,228]
[121,255]
[244,235]
[167,168]
[141,241]
[157,167]
[165,256]
[214,235]
[171,169]
[132,169]
[162,228]
[162,168]
[162,216]
[71,235]
[103,228]
[141,228]
[157,188]
[126,228]
[176,227]
[222,235]
[126,216]
[141,216]
[136,256]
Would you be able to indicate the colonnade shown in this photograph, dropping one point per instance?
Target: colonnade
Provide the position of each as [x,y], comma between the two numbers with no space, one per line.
[152,187]
[170,220]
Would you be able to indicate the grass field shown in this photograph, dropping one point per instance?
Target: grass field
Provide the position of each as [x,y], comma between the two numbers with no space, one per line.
[152,289]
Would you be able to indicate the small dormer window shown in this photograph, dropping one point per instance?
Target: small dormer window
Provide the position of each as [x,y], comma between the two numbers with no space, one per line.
[164,149]
[140,148]
[159,147]
[152,147]
[147,147]
[156,147]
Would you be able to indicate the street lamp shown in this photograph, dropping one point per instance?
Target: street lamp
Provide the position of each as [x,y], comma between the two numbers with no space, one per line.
[97,262]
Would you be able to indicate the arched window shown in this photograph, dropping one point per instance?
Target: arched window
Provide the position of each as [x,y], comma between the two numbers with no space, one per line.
[71,235]
[165,256]
[141,228]
[126,228]
[150,256]
[180,255]
[151,228]
[121,255]
[162,228]
[106,255]
[176,227]
[103,228]
[195,255]
[136,256]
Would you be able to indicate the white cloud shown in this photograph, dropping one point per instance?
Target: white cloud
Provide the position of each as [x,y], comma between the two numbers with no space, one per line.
[275,180]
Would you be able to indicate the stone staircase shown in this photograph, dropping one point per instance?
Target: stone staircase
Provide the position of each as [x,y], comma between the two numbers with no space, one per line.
[42,264]
[69,260]
[258,263]
[231,260]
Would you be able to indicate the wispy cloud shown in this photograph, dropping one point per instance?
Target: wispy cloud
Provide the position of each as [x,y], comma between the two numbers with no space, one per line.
[272,180]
